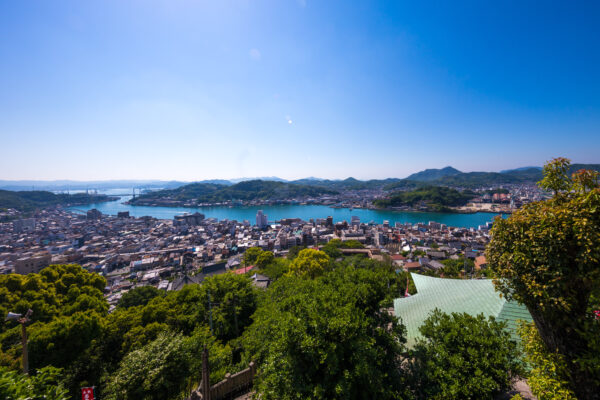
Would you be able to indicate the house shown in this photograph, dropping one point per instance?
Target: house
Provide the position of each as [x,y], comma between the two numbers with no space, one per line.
[480,262]
[413,266]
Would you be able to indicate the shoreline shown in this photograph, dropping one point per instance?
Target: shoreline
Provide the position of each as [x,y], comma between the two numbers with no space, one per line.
[332,206]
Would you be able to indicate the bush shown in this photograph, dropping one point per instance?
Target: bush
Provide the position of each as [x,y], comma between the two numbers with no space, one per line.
[463,357]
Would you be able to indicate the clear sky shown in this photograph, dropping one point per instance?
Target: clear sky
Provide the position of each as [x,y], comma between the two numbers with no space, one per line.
[193,90]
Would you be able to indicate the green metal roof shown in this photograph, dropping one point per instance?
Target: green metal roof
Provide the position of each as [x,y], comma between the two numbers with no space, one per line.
[471,296]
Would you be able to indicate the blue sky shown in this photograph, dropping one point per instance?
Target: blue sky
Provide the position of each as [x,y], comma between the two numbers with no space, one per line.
[193,90]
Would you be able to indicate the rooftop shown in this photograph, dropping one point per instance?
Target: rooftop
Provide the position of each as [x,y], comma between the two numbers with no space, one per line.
[472,296]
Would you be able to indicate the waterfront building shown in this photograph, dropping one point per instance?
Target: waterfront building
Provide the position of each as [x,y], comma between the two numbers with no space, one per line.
[261,219]
[93,214]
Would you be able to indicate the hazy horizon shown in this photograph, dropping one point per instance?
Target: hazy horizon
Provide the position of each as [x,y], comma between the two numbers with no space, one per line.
[233,180]
[189,91]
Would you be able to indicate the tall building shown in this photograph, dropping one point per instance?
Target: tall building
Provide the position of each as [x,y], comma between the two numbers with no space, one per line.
[94,214]
[261,219]
[329,222]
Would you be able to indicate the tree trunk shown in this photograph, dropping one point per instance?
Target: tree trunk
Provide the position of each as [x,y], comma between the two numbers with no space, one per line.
[567,342]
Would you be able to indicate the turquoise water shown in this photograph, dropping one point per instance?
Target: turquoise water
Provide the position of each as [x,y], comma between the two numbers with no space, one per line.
[307,212]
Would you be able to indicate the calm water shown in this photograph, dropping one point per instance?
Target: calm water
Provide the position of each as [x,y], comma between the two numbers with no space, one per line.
[294,211]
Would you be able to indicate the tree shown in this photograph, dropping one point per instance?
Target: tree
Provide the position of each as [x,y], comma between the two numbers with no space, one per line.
[157,371]
[547,370]
[293,252]
[235,300]
[43,385]
[57,290]
[332,249]
[547,256]
[139,296]
[251,255]
[62,341]
[276,269]
[310,263]
[463,357]
[265,258]
[327,338]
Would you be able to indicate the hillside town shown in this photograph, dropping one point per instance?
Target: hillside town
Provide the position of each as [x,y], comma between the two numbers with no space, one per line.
[503,198]
[132,252]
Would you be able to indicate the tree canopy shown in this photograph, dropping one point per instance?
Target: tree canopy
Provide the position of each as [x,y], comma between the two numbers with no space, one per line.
[309,262]
[547,256]
[327,338]
[463,357]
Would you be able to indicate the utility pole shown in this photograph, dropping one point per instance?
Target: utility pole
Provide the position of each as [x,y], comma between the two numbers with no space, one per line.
[22,319]
[205,375]
[210,312]
[235,315]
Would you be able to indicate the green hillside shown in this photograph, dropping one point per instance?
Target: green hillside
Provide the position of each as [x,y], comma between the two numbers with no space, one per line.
[433,174]
[436,198]
[31,200]
[482,179]
[245,191]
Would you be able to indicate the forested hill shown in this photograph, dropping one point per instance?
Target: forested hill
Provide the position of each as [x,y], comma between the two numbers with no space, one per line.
[245,191]
[31,200]
[433,174]
[435,198]
[448,177]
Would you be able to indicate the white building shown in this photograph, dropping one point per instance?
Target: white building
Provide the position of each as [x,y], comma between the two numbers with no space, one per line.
[261,219]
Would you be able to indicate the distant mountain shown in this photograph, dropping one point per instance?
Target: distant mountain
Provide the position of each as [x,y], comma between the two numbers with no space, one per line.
[31,200]
[242,191]
[64,185]
[263,178]
[519,169]
[516,176]
[216,181]
[432,174]
[347,184]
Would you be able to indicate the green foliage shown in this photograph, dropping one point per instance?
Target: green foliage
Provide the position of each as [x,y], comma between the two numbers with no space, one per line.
[139,296]
[236,300]
[463,357]
[251,255]
[43,385]
[57,290]
[326,338]
[276,269]
[332,249]
[245,191]
[265,258]
[546,377]
[547,256]
[293,252]
[155,372]
[333,246]
[452,268]
[350,244]
[168,367]
[435,197]
[310,263]
[62,341]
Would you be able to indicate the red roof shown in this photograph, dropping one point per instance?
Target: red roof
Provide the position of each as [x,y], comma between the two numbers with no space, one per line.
[243,270]
[410,265]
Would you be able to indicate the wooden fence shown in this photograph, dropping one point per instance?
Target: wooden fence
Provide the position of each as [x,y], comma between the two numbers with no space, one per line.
[231,386]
